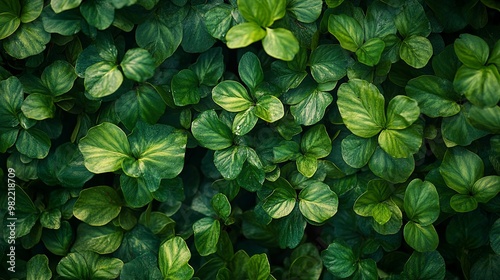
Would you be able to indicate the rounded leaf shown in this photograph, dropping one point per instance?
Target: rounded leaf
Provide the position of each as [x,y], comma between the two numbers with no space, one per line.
[347,30]
[402,112]
[138,65]
[231,96]
[339,259]
[416,51]
[317,202]
[421,202]
[206,235]
[269,108]
[244,34]
[472,50]
[280,43]
[102,79]
[421,238]
[97,205]
[460,169]
[210,132]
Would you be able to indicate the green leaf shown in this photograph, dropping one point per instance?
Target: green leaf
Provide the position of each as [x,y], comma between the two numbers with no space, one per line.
[58,241]
[250,70]
[357,151]
[416,51]
[37,268]
[339,260]
[396,170]
[244,121]
[251,178]
[435,96]
[262,12]
[59,77]
[138,65]
[487,119]
[210,132]
[185,88]
[412,20]
[281,201]
[290,229]
[102,240]
[316,142]
[472,50]
[460,169]
[195,37]
[317,202]
[142,267]
[486,267]
[347,30]
[258,267]
[31,10]
[486,188]
[280,43]
[10,12]
[98,13]
[231,96]
[401,143]
[97,206]
[269,108]
[218,20]
[402,111]
[312,109]
[463,203]
[458,128]
[375,202]
[38,107]
[173,259]
[495,236]
[421,202]
[33,143]
[428,265]
[30,39]
[421,238]
[104,148]
[63,5]
[230,161]
[158,150]
[144,103]
[307,165]
[370,52]
[361,106]
[206,235]
[478,85]
[209,66]
[51,219]
[87,264]
[221,205]
[160,35]
[328,63]
[303,11]
[244,34]
[102,79]
[11,100]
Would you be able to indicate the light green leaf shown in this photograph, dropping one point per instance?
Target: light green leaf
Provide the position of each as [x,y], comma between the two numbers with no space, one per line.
[221,205]
[311,109]
[250,70]
[230,161]
[63,5]
[280,43]
[10,11]
[79,265]
[421,202]
[185,88]
[339,260]
[173,259]
[357,151]
[402,111]
[416,51]
[33,143]
[101,240]
[421,238]
[305,11]
[435,96]
[269,108]
[37,268]
[138,65]
[281,201]
[316,142]
[38,106]
[317,202]
[30,39]
[244,34]
[258,267]
[486,188]
[375,201]
[210,132]
[206,235]
[463,203]
[244,121]
[472,50]
[347,30]
[31,10]
[328,63]
[480,86]
[395,170]
[98,13]
[262,12]
[370,52]
[401,143]
[97,205]
[361,106]
[102,79]
[460,169]
[104,148]
[307,165]
[231,96]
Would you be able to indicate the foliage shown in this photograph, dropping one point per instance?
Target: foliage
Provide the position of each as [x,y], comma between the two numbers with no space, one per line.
[250,139]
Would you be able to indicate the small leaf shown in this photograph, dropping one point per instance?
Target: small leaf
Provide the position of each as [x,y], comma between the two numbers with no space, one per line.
[307,165]
[401,143]
[210,132]
[269,108]
[486,188]
[395,170]
[250,70]
[59,77]
[244,34]
[347,30]
[185,88]
[258,267]
[231,96]
[472,50]
[63,5]
[280,43]
[97,205]
[102,79]
[416,51]
[370,52]
[281,201]
[428,265]
[421,202]
[317,202]
[357,151]
[33,143]
[312,109]
[421,238]
[316,142]
[138,65]
[244,121]
[463,203]
[339,260]
[37,268]
[173,259]
[102,240]
[328,63]
[460,169]
[206,235]
[402,111]
[30,39]
[98,13]
[230,161]
[478,85]
[221,205]
[38,107]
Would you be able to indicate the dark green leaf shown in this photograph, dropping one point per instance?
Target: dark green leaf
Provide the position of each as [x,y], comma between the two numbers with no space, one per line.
[230,161]
[370,52]
[460,169]
[312,109]
[98,13]
[33,143]
[328,63]
[30,39]
[357,151]
[339,259]
[38,107]
[472,51]
[211,132]
[429,265]
[395,170]
[38,268]
[101,240]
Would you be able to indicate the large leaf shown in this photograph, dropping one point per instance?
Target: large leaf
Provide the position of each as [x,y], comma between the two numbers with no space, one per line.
[102,240]
[102,79]
[185,88]
[38,106]
[347,30]
[269,108]
[357,151]
[339,259]
[421,202]
[63,5]
[401,143]
[209,67]
[317,202]
[487,119]
[33,143]
[97,205]
[412,20]
[311,109]
[281,201]
[138,65]
[173,259]
[429,265]
[371,51]
[196,38]
[402,111]
[59,77]
[10,11]
[258,267]
[435,96]
[486,188]
[11,100]
[230,161]
[210,132]
[79,265]
[478,85]
[416,51]
[231,96]
[316,142]
[460,169]
[328,63]
[244,34]
[263,12]
[362,108]
[98,13]
[395,170]
[421,238]
[280,43]
[472,51]
[37,268]
[206,235]
[104,148]
[458,130]
[30,39]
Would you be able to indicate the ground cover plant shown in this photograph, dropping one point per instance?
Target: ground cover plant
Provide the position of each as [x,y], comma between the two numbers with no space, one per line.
[250,139]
